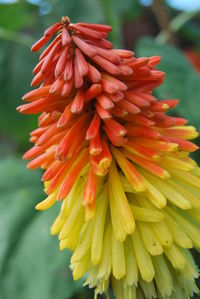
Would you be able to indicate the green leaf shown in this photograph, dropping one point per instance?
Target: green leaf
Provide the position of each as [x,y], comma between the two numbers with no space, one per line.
[15,76]
[181,80]
[78,11]
[129,8]
[31,265]
[15,16]
[20,190]
[41,270]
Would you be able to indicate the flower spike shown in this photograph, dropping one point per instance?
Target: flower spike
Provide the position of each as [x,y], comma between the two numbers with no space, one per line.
[120,165]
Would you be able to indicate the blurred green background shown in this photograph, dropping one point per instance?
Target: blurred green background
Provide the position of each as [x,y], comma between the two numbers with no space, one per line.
[31,266]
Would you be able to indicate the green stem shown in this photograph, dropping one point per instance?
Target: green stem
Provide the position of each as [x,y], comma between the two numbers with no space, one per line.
[113,19]
[20,38]
[175,25]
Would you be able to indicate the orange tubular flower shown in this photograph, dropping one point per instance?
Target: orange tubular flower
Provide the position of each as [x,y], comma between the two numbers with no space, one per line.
[130,192]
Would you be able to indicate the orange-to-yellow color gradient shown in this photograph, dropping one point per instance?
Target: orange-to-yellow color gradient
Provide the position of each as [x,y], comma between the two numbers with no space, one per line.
[130,191]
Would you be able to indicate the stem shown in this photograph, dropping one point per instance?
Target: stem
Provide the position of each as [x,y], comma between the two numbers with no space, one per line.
[113,19]
[163,18]
[175,25]
[20,38]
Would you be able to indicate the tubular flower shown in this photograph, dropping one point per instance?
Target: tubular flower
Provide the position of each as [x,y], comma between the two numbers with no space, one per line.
[120,167]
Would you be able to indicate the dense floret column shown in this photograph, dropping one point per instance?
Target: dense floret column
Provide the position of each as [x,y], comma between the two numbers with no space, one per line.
[130,191]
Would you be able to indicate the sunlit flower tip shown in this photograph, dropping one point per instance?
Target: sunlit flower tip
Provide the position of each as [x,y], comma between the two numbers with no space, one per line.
[120,166]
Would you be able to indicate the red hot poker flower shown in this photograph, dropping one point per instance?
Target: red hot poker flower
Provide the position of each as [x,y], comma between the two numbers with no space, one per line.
[121,166]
